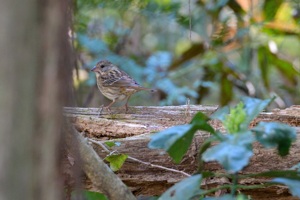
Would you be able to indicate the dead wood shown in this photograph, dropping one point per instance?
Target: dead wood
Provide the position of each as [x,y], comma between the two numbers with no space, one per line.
[134,129]
[95,169]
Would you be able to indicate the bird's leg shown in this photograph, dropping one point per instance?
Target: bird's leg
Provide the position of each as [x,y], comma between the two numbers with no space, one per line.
[106,107]
[101,109]
[126,104]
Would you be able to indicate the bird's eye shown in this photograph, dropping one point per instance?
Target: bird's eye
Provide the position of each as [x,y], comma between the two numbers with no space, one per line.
[102,66]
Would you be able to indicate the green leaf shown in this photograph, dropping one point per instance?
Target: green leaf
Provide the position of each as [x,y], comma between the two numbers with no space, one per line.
[208,174]
[227,197]
[278,31]
[88,195]
[264,65]
[236,7]
[221,113]
[116,161]
[240,117]
[270,8]
[203,147]
[199,118]
[296,167]
[184,189]
[253,107]
[274,134]
[233,153]
[200,122]
[112,144]
[235,119]
[175,140]
[286,69]
[293,185]
[242,197]
[275,173]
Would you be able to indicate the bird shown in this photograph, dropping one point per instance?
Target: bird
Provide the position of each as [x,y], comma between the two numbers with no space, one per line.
[115,84]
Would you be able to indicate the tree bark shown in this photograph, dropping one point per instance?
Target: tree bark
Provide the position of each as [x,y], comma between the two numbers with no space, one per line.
[134,129]
[33,60]
[102,177]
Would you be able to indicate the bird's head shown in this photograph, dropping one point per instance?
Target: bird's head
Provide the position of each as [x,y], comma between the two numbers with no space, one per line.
[102,67]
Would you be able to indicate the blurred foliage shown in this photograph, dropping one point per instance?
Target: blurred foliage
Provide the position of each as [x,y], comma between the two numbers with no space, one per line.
[208,51]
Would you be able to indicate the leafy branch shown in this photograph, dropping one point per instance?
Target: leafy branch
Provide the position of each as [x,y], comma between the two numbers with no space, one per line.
[234,148]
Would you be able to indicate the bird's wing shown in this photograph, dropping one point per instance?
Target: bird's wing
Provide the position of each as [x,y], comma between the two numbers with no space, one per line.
[120,79]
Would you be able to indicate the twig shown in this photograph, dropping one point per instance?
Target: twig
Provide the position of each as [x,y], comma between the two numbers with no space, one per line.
[188,108]
[139,161]
[158,166]
[100,144]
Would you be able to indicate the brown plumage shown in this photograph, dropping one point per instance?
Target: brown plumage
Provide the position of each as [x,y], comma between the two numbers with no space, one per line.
[115,84]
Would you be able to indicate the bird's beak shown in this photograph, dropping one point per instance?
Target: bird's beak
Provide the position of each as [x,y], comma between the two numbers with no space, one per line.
[93,69]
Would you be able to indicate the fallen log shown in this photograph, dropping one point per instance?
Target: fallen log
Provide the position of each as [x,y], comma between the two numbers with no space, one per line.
[143,175]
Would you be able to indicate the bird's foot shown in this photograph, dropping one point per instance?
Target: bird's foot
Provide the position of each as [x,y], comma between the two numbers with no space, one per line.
[100,111]
[102,108]
[126,108]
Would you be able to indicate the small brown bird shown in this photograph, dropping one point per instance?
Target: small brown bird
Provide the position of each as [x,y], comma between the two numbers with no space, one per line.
[115,84]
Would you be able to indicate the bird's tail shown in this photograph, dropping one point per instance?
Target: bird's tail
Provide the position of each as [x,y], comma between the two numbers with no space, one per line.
[146,89]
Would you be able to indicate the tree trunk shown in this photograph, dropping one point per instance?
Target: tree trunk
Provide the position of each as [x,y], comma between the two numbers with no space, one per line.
[147,175]
[33,59]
